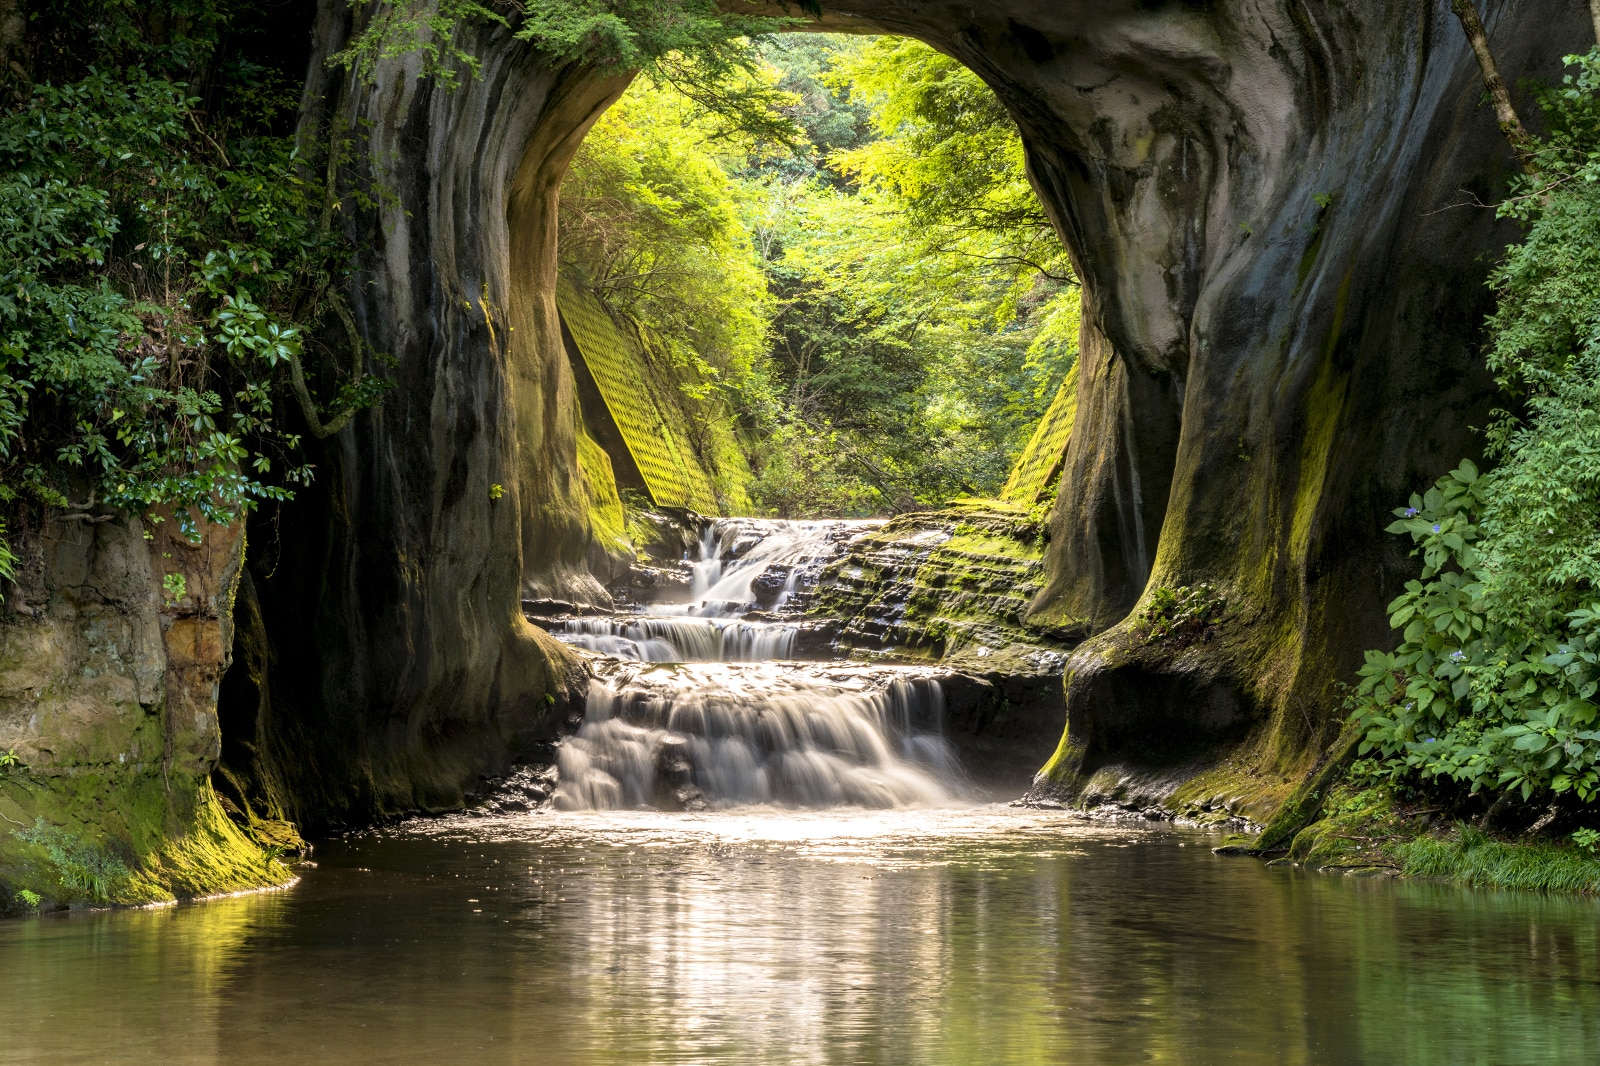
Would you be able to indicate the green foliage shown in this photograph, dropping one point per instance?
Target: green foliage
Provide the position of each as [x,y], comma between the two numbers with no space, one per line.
[703,51]
[176,586]
[1470,857]
[806,471]
[8,560]
[83,869]
[633,34]
[1494,684]
[164,268]
[927,316]
[398,28]
[30,898]
[889,331]
[1586,840]
[652,223]
[1180,616]
[9,760]
[947,152]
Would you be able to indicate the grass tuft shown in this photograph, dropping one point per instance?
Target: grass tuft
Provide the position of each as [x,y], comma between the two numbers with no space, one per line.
[1469,857]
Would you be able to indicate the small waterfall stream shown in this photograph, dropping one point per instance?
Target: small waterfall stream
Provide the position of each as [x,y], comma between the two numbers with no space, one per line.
[746,566]
[694,704]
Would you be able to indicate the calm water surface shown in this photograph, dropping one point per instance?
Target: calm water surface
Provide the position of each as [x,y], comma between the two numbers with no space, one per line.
[988,935]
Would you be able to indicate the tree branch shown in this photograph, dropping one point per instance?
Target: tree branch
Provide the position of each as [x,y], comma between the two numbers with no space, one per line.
[1522,142]
[1065,279]
[1594,13]
[297,374]
[297,378]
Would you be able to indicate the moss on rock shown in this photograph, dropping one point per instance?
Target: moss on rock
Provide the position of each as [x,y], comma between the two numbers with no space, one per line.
[950,585]
[1369,828]
[108,681]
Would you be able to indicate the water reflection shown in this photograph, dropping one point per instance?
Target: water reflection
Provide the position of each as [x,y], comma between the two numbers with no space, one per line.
[973,936]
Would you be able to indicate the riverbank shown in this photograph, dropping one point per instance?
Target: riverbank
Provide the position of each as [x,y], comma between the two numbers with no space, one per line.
[1372,830]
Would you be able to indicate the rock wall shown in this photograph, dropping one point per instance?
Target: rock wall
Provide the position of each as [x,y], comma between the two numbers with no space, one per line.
[389,664]
[1269,206]
[108,719]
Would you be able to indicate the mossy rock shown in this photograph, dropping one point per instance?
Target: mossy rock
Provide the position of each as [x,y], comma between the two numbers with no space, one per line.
[85,840]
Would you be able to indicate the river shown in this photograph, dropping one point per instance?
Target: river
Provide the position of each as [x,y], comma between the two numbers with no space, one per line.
[764,861]
[960,936]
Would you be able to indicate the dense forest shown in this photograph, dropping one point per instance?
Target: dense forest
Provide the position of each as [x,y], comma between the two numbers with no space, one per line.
[850,261]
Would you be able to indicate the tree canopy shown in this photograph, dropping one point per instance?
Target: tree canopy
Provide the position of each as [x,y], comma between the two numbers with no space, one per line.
[902,309]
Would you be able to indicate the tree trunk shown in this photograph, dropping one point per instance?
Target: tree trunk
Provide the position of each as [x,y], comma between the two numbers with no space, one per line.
[1522,142]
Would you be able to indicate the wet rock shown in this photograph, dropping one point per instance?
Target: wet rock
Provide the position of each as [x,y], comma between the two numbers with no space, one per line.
[768,585]
[553,608]
[667,534]
[674,781]
[742,546]
[658,578]
[1236,844]
[520,791]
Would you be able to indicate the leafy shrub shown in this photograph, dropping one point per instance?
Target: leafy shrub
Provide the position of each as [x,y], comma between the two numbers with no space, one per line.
[85,869]
[1180,616]
[1493,686]
[164,268]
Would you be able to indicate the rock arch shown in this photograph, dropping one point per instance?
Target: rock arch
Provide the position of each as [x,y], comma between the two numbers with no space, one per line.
[1279,342]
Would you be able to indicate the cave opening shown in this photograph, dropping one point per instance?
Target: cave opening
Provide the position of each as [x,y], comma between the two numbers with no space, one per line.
[811,310]
[823,286]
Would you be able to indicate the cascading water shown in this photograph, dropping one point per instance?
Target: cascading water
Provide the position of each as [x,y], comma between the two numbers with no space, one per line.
[683,640]
[793,734]
[746,565]
[695,708]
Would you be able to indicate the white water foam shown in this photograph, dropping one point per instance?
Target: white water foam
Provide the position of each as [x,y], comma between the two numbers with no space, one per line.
[734,552]
[787,734]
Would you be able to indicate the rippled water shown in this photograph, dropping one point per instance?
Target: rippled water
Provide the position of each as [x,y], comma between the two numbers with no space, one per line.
[987,935]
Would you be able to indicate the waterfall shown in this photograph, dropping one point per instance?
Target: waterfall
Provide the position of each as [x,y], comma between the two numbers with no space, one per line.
[691,736]
[746,565]
[735,552]
[680,640]
[695,705]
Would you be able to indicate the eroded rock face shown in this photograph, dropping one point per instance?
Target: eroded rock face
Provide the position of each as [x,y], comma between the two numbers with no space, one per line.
[108,704]
[1280,341]
[1281,326]
[389,663]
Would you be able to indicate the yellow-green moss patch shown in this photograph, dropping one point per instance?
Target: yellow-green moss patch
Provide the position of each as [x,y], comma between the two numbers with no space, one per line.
[1038,468]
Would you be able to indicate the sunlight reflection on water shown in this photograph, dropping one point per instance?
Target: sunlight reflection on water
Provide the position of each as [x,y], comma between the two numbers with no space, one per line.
[949,936]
